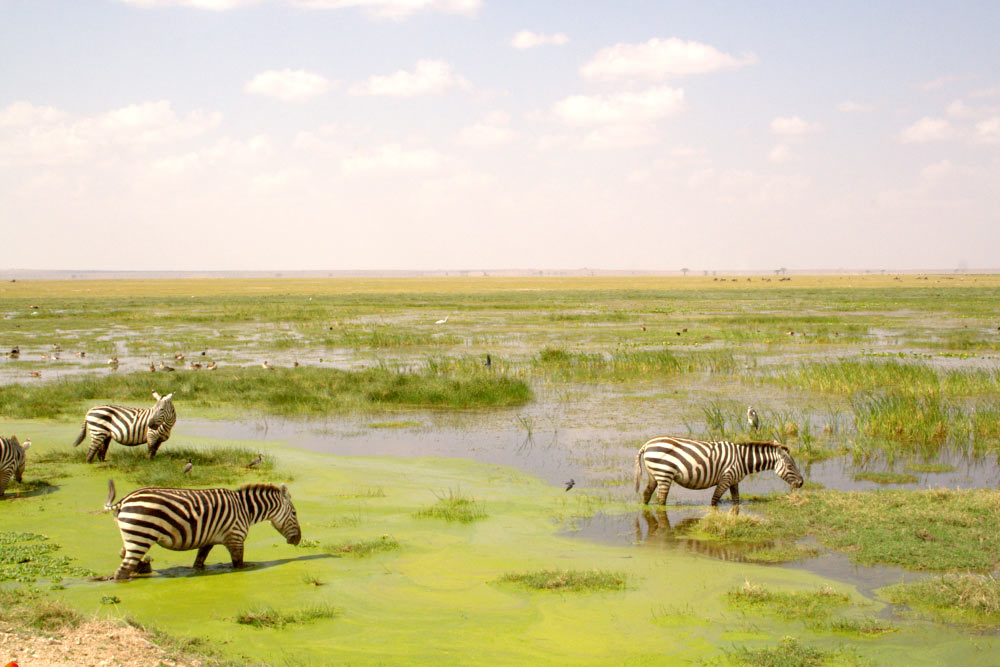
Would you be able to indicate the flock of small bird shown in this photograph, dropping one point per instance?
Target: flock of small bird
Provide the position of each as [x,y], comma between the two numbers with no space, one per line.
[189,466]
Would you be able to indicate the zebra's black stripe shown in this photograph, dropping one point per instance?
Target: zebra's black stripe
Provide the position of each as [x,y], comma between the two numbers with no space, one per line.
[183,519]
[128,426]
[12,460]
[700,464]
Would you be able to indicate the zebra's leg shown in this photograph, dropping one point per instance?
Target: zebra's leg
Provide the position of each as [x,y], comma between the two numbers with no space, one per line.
[154,443]
[734,492]
[235,545]
[199,561]
[132,558]
[663,488]
[98,446]
[724,485]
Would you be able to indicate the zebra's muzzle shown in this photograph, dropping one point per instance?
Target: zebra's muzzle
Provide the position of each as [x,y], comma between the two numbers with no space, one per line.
[295,539]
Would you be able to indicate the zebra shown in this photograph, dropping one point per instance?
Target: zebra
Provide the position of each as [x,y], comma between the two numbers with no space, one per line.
[12,460]
[184,519]
[698,464]
[129,426]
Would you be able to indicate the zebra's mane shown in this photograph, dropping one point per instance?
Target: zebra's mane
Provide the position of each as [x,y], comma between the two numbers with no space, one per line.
[259,487]
[774,445]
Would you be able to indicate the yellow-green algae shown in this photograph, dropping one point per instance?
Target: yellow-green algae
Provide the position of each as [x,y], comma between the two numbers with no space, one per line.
[434,600]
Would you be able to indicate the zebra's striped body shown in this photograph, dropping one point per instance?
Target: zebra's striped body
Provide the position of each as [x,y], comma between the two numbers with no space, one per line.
[129,426]
[183,519]
[699,464]
[12,460]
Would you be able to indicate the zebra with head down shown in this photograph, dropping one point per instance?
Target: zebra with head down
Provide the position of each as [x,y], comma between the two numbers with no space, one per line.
[128,426]
[183,519]
[12,460]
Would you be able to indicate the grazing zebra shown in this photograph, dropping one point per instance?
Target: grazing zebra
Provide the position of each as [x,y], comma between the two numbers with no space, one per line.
[11,460]
[697,464]
[183,519]
[129,426]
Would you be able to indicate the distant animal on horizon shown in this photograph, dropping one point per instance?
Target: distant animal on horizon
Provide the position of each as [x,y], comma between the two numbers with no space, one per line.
[128,426]
[700,464]
[184,519]
[12,460]
[753,422]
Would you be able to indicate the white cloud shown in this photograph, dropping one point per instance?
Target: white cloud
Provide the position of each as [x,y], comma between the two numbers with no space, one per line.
[988,131]
[391,158]
[792,126]
[851,106]
[780,153]
[395,9]
[428,77]
[526,39]
[660,59]
[620,108]
[990,93]
[32,135]
[288,85]
[491,132]
[927,129]
[941,81]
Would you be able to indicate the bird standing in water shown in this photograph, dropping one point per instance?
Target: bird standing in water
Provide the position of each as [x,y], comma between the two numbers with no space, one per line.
[188,467]
[753,422]
[570,484]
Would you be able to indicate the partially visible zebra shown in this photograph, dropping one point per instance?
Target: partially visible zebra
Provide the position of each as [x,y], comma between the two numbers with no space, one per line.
[698,464]
[183,519]
[129,426]
[12,460]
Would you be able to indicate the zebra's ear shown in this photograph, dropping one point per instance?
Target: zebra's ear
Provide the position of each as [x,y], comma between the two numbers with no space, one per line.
[168,396]
[285,493]
[156,394]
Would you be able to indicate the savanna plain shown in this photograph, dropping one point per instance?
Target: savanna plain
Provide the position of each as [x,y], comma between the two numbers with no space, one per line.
[427,429]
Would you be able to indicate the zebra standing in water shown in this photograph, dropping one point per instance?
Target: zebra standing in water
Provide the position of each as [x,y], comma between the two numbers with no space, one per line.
[12,460]
[698,464]
[183,519]
[129,426]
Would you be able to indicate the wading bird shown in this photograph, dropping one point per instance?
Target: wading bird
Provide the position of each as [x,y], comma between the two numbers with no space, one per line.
[753,422]
[256,461]
[188,467]
[267,365]
[212,366]
[445,320]
[164,367]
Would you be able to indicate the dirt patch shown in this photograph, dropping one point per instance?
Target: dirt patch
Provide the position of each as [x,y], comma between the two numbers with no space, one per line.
[93,643]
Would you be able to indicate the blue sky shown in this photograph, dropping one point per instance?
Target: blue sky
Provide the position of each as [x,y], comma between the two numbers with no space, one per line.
[464,134]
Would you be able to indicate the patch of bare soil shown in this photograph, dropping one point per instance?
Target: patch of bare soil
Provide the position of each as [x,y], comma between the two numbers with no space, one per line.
[92,644]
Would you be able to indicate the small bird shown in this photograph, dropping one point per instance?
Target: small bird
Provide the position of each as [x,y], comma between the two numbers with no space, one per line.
[112,361]
[179,356]
[489,362]
[164,367]
[445,320]
[212,366]
[81,354]
[188,467]
[256,461]
[204,352]
[753,422]
[267,365]
[152,368]
[570,484]
[35,374]
[194,365]
[295,364]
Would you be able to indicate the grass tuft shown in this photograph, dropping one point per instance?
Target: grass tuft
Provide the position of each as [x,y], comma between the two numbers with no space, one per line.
[455,507]
[789,653]
[362,548]
[568,580]
[25,607]
[885,477]
[269,617]
[805,605]
[965,598]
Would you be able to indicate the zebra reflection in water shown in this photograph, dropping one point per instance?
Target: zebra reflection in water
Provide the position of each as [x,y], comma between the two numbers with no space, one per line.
[660,533]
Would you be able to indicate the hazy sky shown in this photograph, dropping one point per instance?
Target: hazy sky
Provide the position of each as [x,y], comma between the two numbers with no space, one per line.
[453,134]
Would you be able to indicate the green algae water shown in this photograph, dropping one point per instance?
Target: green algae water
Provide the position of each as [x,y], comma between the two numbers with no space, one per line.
[437,598]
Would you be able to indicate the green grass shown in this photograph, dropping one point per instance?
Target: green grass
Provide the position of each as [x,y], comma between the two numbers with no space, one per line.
[269,617]
[29,609]
[919,530]
[568,580]
[789,653]
[866,627]
[963,598]
[455,507]
[362,548]
[885,477]
[810,606]
[930,467]
[283,391]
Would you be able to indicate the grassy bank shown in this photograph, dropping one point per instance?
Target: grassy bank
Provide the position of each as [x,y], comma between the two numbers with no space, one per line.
[282,391]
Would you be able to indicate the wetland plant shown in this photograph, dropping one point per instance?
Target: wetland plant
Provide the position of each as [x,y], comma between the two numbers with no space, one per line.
[804,605]
[789,653]
[965,598]
[362,548]
[269,617]
[885,477]
[455,507]
[568,580]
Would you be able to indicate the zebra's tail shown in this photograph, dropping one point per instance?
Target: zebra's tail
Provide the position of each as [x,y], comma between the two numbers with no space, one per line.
[109,505]
[638,467]
[83,434]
